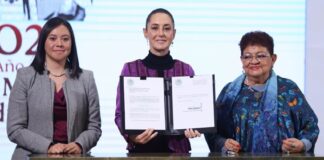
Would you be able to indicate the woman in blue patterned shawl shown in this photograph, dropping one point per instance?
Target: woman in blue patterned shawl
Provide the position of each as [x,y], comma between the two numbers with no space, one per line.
[260,112]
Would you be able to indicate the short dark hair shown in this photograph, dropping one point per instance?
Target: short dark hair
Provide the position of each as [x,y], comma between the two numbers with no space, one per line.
[159,10]
[72,60]
[257,38]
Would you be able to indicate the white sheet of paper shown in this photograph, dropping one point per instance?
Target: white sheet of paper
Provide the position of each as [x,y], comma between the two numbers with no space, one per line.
[193,102]
[144,103]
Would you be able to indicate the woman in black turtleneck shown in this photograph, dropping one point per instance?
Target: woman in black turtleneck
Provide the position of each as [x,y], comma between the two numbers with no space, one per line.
[158,63]
[160,33]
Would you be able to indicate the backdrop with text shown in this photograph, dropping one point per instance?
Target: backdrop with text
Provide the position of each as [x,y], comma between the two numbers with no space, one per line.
[109,33]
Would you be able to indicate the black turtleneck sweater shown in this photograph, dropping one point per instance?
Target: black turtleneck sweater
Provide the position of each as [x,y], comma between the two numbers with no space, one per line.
[159,63]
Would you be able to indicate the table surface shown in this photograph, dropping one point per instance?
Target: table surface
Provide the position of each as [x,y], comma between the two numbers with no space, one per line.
[178,156]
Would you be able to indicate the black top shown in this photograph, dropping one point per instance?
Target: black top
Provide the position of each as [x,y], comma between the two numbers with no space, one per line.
[159,63]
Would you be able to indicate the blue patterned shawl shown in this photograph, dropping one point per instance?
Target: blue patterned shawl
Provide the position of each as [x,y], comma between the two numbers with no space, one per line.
[265,135]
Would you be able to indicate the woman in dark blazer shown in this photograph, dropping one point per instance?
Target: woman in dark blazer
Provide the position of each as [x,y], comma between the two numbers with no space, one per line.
[54,104]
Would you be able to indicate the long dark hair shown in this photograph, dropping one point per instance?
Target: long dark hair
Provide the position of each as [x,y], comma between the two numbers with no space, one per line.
[72,60]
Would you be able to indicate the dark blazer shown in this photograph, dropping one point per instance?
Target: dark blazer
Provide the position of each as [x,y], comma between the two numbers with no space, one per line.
[30,111]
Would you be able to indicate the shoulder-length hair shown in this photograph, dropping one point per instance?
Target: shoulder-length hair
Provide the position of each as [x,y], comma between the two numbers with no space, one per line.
[72,61]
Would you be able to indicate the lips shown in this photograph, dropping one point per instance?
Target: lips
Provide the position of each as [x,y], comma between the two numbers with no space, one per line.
[160,40]
[254,68]
[58,50]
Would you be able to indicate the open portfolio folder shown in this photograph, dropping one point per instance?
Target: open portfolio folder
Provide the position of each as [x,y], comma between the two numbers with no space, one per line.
[168,105]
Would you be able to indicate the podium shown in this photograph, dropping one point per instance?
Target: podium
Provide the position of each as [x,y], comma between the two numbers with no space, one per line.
[195,156]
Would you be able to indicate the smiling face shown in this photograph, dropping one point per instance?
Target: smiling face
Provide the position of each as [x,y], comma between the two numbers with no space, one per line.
[257,62]
[160,33]
[58,45]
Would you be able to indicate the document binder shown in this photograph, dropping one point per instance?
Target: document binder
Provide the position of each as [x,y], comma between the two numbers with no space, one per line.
[168,105]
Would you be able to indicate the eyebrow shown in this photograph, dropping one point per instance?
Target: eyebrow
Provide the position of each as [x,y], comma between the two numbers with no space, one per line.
[157,24]
[64,35]
[256,52]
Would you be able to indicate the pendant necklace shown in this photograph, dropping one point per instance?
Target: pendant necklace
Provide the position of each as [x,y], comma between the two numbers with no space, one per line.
[256,89]
[55,75]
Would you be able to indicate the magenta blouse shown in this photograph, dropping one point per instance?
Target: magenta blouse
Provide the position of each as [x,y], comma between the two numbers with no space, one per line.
[174,144]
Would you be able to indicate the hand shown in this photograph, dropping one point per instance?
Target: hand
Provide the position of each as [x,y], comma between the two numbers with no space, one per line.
[144,137]
[56,148]
[232,145]
[292,145]
[189,133]
[72,148]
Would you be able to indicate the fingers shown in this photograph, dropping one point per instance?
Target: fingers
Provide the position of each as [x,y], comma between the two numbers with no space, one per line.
[292,145]
[146,134]
[232,145]
[197,133]
[190,133]
[59,148]
[287,147]
[144,137]
[56,148]
[72,148]
[153,135]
